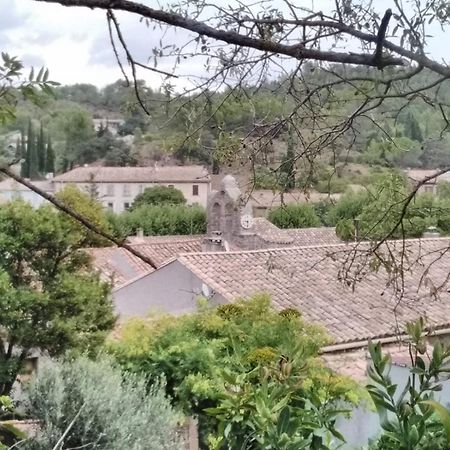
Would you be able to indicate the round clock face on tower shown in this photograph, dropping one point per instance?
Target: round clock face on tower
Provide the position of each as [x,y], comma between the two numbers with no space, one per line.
[246,221]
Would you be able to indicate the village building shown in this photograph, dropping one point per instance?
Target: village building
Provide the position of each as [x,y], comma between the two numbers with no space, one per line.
[430,186]
[117,187]
[11,190]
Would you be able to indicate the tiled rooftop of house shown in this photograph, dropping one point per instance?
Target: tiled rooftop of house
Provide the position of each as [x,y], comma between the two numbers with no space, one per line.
[354,363]
[306,278]
[120,266]
[197,174]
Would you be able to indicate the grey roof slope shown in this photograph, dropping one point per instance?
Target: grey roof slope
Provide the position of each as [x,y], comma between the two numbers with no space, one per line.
[306,278]
[120,266]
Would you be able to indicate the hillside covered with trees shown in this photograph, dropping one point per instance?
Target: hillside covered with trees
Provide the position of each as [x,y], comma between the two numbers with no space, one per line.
[226,129]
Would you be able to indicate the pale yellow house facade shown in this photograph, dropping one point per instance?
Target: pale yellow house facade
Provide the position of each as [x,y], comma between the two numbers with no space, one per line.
[117,187]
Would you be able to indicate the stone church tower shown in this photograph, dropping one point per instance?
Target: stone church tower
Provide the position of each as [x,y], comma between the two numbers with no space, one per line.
[229,218]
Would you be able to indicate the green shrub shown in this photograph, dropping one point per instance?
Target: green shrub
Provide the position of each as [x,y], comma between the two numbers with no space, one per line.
[109,410]
[194,351]
[159,195]
[300,215]
[332,185]
[158,220]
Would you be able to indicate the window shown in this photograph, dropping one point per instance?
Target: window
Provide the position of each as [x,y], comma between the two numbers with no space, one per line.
[195,189]
[429,189]
[110,190]
[110,205]
[126,205]
[171,186]
[126,190]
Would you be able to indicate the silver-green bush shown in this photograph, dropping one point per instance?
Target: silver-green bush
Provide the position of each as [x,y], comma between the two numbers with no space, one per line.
[115,410]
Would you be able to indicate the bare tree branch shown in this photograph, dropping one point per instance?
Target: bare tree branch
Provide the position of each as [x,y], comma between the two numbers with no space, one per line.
[78,217]
[231,37]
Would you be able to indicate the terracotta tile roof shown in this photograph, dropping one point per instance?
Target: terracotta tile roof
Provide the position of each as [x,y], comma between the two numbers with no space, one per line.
[173,174]
[314,236]
[297,237]
[306,278]
[353,363]
[120,266]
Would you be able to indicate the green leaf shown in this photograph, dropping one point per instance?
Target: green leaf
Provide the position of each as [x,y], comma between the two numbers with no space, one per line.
[443,414]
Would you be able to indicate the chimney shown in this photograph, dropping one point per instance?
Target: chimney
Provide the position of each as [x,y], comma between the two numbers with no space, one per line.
[213,243]
[140,233]
[431,232]
[155,166]
[49,176]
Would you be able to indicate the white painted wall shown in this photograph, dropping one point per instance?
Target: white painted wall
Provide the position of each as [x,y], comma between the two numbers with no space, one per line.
[116,196]
[171,289]
[31,197]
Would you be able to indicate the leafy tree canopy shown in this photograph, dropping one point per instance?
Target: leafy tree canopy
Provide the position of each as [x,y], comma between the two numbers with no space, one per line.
[50,298]
[159,195]
[300,215]
[90,208]
[200,354]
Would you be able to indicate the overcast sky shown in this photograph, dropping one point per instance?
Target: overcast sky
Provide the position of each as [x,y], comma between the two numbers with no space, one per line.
[73,42]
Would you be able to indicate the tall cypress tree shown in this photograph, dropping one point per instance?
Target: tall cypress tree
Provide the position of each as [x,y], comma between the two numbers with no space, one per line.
[412,128]
[41,150]
[49,157]
[32,155]
[25,169]
[288,164]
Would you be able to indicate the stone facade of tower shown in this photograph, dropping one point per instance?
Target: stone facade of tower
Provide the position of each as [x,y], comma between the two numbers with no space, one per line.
[225,210]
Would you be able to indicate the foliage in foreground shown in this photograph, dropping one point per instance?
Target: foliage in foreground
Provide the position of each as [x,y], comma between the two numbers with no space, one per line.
[217,358]
[93,405]
[50,300]
[9,435]
[410,417]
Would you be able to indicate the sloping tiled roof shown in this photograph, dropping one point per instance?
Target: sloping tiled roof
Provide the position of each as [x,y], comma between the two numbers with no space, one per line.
[307,279]
[120,266]
[197,174]
[304,237]
[297,237]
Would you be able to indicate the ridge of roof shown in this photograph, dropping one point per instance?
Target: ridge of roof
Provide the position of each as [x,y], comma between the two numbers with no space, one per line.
[308,247]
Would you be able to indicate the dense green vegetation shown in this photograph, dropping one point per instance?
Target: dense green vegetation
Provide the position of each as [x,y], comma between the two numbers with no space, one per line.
[91,404]
[373,212]
[159,220]
[51,300]
[405,136]
[159,195]
[240,359]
